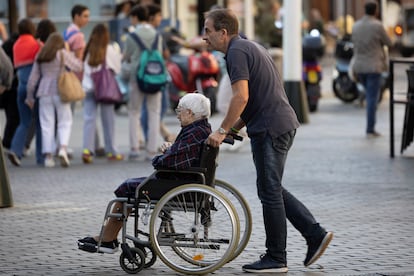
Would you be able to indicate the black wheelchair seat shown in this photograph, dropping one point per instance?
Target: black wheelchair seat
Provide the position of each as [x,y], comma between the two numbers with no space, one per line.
[164,180]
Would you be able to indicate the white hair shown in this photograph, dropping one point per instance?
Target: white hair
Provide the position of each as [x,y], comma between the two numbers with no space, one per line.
[197,103]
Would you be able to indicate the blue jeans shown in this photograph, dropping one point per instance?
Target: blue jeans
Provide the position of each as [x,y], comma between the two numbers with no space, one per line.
[40,159]
[372,85]
[269,156]
[25,113]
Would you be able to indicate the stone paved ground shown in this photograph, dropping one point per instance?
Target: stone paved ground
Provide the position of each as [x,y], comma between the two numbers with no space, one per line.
[349,182]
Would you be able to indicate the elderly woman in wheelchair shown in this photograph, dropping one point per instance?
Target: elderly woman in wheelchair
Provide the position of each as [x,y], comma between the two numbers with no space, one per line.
[195,223]
[193,112]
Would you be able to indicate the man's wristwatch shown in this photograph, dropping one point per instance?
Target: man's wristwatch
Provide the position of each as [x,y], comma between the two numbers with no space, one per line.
[222,131]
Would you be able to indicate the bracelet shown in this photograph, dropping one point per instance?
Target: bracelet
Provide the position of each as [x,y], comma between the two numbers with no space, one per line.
[235,130]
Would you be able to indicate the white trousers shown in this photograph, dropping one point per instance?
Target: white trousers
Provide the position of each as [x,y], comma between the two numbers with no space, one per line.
[51,108]
[153,101]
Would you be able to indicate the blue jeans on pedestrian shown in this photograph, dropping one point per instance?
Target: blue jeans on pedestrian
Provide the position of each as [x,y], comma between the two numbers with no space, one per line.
[40,159]
[269,156]
[372,85]
[25,113]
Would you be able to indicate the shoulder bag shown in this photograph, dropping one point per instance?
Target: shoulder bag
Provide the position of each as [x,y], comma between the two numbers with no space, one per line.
[69,86]
[106,86]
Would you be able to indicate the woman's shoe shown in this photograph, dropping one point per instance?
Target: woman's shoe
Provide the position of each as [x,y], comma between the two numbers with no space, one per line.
[87,156]
[49,162]
[64,159]
[115,157]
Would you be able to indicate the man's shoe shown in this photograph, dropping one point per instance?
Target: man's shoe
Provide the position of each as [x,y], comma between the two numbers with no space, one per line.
[89,244]
[316,248]
[373,134]
[266,264]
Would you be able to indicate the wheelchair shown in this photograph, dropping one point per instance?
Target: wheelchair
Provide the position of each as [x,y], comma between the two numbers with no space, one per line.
[193,222]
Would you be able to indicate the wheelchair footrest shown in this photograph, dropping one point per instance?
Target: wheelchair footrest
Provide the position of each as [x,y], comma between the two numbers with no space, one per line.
[88,247]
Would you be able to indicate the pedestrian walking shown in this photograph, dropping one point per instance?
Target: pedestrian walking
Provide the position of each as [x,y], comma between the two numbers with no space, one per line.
[132,52]
[24,52]
[52,59]
[260,103]
[369,38]
[155,18]
[98,52]
[44,28]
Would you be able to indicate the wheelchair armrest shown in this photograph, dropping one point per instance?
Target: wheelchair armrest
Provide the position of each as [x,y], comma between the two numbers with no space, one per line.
[195,171]
[188,170]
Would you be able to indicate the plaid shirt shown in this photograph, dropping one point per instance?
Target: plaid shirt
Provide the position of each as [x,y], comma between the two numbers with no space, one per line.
[185,152]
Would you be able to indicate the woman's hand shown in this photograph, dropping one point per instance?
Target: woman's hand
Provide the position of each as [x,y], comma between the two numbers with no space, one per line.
[165,146]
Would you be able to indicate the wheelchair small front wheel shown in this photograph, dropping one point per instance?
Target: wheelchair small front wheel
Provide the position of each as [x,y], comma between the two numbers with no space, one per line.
[150,256]
[194,229]
[134,262]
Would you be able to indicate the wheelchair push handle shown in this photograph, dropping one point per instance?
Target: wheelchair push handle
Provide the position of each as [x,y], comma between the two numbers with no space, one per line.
[231,136]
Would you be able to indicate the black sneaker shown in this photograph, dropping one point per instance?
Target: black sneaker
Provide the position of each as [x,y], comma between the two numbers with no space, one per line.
[89,244]
[266,264]
[316,248]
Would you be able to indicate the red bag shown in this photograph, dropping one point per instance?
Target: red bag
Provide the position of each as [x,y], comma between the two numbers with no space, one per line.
[106,86]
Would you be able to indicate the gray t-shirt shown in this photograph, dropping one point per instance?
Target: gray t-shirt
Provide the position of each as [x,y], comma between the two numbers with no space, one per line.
[268,109]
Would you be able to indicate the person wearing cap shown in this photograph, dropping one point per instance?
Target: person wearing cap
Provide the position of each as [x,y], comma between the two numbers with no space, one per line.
[193,111]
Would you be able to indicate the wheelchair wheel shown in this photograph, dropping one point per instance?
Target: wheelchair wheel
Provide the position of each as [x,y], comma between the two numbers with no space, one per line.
[194,229]
[243,212]
[134,263]
[150,256]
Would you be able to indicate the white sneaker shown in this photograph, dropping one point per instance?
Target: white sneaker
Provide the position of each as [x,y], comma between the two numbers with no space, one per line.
[49,162]
[64,160]
[27,152]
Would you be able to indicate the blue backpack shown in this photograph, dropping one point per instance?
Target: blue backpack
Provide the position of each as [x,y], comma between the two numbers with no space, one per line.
[152,73]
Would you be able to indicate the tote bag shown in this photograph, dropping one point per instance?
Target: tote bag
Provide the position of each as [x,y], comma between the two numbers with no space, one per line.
[69,86]
[106,86]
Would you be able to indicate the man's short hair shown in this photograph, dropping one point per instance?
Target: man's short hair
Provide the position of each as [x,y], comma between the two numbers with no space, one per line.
[224,19]
[78,10]
[141,12]
[153,9]
[370,7]
[197,103]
